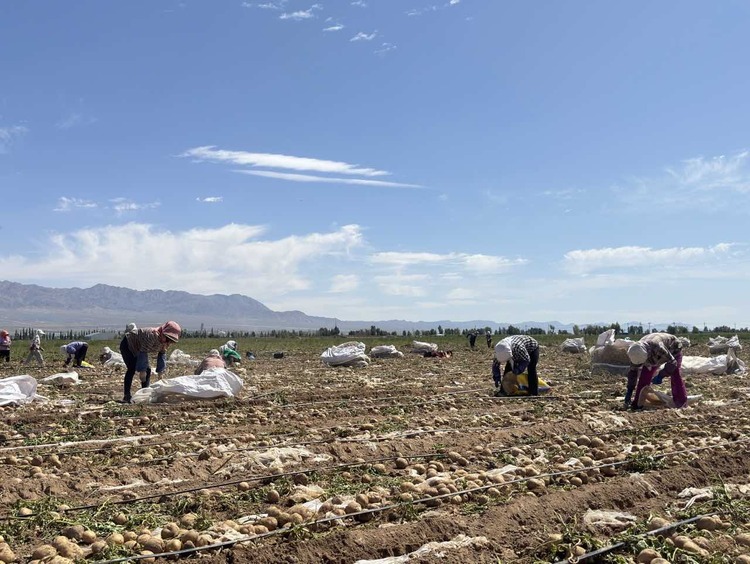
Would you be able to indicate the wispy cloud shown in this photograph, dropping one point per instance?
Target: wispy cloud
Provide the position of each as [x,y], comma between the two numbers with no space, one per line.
[432,8]
[336,27]
[707,184]
[475,262]
[278,5]
[343,283]
[8,135]
[361,36]
[326,179]
[270,160]
[123,205]
[65,204]
[359,3]
[301,14]
[211,199]
[74,120]
[566,194]
[385,48]
[608,258]
[185,260]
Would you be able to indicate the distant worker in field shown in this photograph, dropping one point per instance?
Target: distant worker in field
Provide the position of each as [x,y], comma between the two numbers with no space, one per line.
[136,346]
[35,349]
[76,352]
[646,355]
[488,336]
[213,360]
[5,343]
[472,338]
[518,353]
[230,354]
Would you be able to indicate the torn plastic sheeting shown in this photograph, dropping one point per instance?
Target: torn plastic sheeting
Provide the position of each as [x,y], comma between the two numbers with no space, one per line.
[438,548]
[62,379]
[18,390]
[279,456]
[597,519]
[210,384]
[81,443]
[346,354]
[134,485]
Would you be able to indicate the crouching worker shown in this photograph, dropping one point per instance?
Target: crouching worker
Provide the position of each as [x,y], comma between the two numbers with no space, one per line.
[213,360]
[76,352]
[518,353]
[229,353]
[136,346]
[650,352]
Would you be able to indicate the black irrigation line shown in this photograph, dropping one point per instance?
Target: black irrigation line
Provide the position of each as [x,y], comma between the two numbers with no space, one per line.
[382,509]
[272,477]
[611,548]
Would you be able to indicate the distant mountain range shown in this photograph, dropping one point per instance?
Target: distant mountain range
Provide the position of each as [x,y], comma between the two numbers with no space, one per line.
[112,307]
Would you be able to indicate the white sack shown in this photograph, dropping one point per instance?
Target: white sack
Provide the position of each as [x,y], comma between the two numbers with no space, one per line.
[573,345]
[210,384]
[606,338]
[420,347]
[17,390]
[180,357]
[385,351]
[719,344]
[722,364]
[346,354]
[61,379]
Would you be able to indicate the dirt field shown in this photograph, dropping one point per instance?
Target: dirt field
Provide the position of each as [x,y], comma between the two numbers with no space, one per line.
[317,464]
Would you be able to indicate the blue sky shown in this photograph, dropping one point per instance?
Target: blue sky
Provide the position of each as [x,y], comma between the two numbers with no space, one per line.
[384,159]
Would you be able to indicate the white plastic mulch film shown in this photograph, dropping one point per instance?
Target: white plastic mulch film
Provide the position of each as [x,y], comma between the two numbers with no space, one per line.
[346,354]
[210,384]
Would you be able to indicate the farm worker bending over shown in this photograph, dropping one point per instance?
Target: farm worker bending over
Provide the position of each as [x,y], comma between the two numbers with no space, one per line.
[650,352]
[5,342]
[76,350]
[229,353]
[35,349]
[213,360]
[138,343]
[519,353]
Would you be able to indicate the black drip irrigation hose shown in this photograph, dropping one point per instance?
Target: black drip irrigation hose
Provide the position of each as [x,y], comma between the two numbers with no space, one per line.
[593,555]
[389,507]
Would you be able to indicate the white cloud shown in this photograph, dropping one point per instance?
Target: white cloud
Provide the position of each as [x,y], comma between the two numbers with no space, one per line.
[705,184]
[184,260]
[342,283]
[590,260]
[326,179]
[211,199]
[8,135]
[385,48]
[279,5]
[566,194]
[360,3]
[454,2]
[477,263]
[361,36]
[74,120]
[123,205]
[300,15]
[336,27]
[65,204]
[270,160]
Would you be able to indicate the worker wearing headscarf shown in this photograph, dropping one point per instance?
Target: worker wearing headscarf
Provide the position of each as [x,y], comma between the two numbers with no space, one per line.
[213,360]
[76,350]
[646,356]
[35,349]
[136,346]
[5,343]
[518,353]
[229,353]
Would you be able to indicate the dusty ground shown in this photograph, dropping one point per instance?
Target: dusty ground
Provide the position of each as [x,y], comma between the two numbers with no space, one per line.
[422,441]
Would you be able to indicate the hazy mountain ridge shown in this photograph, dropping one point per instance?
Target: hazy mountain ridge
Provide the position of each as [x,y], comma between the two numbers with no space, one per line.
[104,306]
